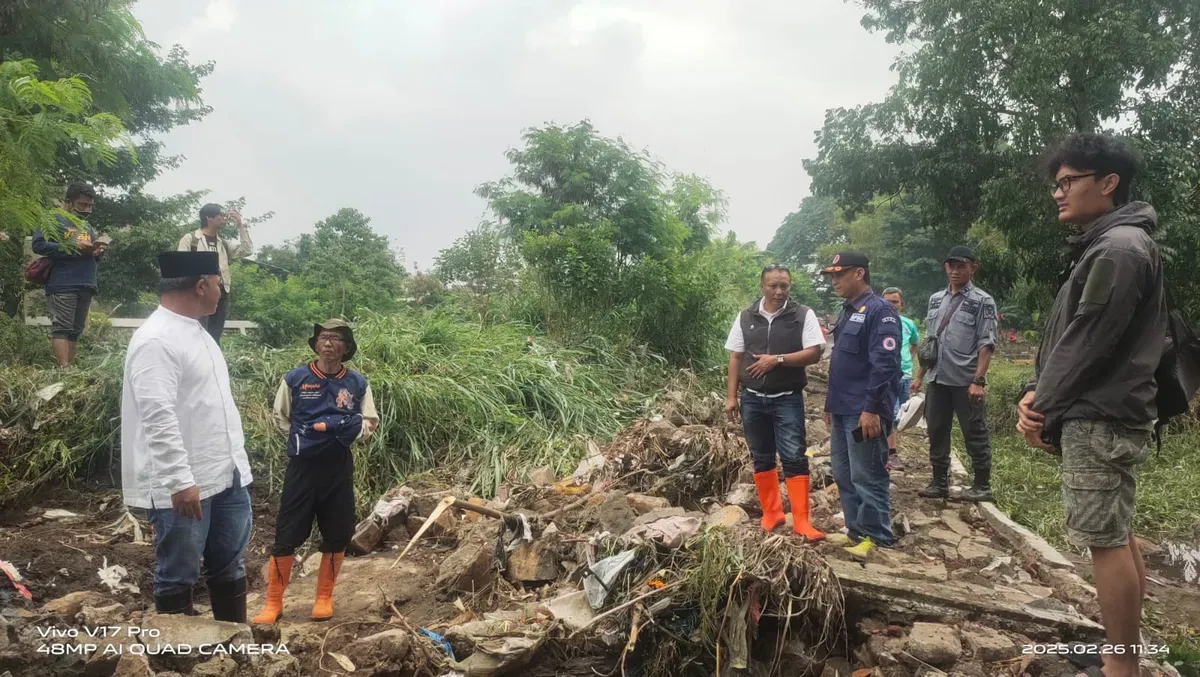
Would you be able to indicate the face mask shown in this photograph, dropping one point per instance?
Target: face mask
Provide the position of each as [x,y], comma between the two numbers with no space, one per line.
[83,215]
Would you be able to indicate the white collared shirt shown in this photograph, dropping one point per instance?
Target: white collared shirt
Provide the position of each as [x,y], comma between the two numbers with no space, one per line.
[179,424]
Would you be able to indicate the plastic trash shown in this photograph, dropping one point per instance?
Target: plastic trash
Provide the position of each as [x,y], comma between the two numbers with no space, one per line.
[603,574]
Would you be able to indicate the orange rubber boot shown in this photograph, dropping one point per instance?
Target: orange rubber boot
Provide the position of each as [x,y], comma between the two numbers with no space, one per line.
[279,572]
[798,496]
[331,564]
[767,483]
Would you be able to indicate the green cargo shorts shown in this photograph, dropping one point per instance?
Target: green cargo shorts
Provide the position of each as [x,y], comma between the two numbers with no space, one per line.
[1097,480]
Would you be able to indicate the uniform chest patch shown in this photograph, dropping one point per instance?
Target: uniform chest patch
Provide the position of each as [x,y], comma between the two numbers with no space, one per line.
[858,317]
[344,399]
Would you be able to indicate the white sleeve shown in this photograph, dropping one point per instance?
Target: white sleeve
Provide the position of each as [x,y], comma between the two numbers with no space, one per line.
[736,343]
[812,331]
[154,382]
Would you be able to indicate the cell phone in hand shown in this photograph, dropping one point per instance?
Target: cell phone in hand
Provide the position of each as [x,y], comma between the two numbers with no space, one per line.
[858,434]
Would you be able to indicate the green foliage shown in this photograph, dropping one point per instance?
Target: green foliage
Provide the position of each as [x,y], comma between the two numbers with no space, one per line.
[483,261]
[341,270]
[38,118]
[615,247]
[448,392]
[986,86]
[804,231]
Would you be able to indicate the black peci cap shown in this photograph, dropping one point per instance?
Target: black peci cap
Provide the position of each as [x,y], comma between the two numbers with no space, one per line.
[188,264]
[961,253]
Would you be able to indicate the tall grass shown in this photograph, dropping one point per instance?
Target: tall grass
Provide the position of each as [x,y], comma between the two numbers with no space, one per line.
[1028,482]
[449,392]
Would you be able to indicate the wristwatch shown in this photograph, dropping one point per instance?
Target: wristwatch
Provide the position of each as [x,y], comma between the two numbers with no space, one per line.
[980,381]
[779,359]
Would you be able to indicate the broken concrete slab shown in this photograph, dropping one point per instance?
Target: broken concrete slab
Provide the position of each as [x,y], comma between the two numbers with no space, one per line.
[133,666]
[68,605]
[948,537]
[218,666]
[955,523]
[934,643]
[976,549]
[929,596]
[1028,544]
[988,645]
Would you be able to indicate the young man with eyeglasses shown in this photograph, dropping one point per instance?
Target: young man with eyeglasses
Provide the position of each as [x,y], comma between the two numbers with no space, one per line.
[1092,399]
[910,337]
[962,317]
[770,344]
[323,408]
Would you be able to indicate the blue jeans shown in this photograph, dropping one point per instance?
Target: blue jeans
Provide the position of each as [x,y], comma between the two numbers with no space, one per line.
[860,470]
[775,425]
[902,396]
[219,538]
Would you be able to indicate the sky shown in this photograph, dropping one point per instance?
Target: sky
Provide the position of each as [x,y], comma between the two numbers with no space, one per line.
[401,108]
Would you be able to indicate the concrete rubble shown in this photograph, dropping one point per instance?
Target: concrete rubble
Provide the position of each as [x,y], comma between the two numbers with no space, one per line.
[606,569]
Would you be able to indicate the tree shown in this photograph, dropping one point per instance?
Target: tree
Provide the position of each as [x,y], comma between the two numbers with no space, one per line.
[802,232]
[483,260]
[342,269]
[100,43]
[989,85]
[38,119]
[615,246]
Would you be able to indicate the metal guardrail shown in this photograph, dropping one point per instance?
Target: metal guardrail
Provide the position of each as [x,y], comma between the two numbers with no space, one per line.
[135,322]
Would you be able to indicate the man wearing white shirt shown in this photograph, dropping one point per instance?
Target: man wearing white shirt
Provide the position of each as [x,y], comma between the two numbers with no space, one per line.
[769,345]
[183,456]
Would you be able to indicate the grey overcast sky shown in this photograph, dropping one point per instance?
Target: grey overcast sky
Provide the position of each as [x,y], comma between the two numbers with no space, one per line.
[400,108]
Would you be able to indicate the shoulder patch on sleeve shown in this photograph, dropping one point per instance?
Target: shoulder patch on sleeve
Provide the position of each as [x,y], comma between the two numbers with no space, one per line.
[889,343]
[989,311]
[1098,288]
[888,318]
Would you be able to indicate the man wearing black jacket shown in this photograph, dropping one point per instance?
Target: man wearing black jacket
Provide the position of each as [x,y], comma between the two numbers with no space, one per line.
[1092,399]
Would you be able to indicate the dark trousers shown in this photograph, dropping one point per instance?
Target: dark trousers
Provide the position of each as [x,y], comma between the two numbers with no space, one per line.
[215,323]
[320,487]
[775,425]
[942,404]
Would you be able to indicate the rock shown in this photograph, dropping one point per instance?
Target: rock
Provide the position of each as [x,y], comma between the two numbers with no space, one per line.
[424,505]
[643,504]
[445,524]
[987,645]
[816,431]
[279,666]
[975,549]
[6,632]
[177,629]
[109,649]
[94,617]
[727,517]
[934,643]
[532,563]
[468,569]
[220,666]
[796,660]
[944,536]
[387,648]
[572,609]
[1036,591]
[133,666]
[745,496]
[542,477]
[837,667]
[661,430]
[658,514]
[951,519]
[69,605]
[883,651]
[616,514]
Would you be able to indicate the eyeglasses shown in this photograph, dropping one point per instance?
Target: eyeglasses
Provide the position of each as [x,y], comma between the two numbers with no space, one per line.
[1064,184]
[330,338]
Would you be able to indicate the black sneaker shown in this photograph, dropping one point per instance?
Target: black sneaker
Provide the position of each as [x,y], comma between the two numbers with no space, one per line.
[977,495]
[935,490]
